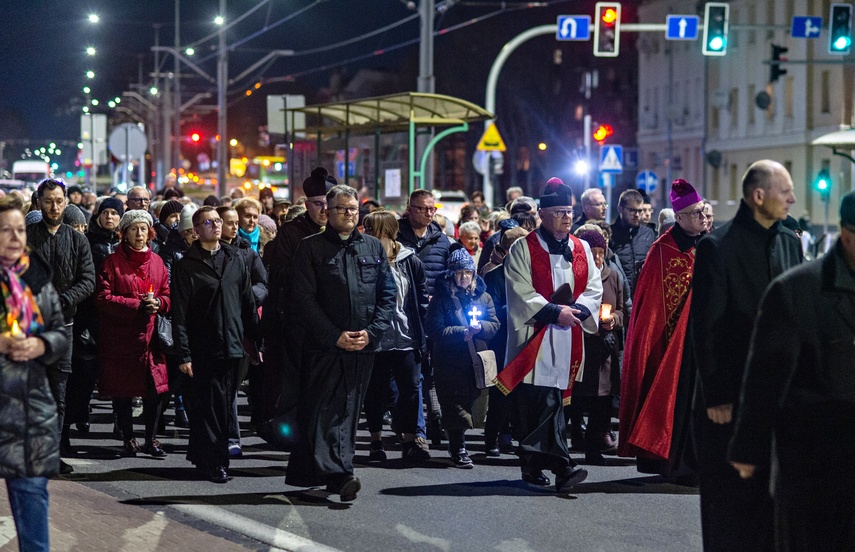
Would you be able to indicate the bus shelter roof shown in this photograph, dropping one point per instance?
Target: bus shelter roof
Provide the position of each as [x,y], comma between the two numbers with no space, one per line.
[392,113]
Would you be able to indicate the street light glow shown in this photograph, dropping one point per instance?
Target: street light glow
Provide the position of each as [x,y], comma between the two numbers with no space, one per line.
[90,50]
[93,18]
[190,51]
[85,109]
[94,101]
[581,167]
[219,20]
[117,99]
[111,104]
[542,146]
[233,142]
[90,74]
[153,91]
[86,90]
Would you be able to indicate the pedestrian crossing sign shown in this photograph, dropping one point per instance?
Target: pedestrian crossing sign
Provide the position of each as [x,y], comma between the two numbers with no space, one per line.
[492,140]
[611,159]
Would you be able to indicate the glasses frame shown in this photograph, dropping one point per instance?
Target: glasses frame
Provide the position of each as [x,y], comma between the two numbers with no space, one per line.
[424,210]
[347,210]
[211,223]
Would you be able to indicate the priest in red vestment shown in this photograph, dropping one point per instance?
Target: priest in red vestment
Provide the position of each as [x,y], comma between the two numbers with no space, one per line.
[655,392]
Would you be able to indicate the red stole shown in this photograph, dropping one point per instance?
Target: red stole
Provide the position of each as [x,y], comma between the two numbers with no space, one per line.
[541,280]
[654,350]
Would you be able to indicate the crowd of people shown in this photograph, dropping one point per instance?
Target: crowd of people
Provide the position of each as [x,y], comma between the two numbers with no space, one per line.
[538,322]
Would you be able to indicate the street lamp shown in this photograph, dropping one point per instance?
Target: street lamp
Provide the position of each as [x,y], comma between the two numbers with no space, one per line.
[153,91]
[581,167]
[190,51]
[90,50]
[90,74]
[93,18]
[219,20]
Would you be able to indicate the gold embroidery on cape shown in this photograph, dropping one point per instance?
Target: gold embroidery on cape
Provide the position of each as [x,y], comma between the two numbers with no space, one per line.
[675,286]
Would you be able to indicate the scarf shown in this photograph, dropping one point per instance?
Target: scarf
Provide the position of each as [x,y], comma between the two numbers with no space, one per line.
[19,301]
[251,237]
[556,247]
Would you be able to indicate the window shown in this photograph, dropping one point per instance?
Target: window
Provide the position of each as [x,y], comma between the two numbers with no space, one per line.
[751,107]
[734,179]
[788,97]
[733,103]
[825,95]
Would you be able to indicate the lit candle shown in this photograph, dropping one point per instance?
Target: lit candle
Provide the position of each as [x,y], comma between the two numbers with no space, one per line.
[605,311]
[15,330]
[150,292]
[474,314]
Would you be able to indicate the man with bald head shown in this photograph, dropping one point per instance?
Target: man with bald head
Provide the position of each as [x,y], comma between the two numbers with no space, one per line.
[733,266]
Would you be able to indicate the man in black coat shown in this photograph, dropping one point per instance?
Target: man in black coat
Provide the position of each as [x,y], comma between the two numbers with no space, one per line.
[799,393]
[733,266]
[212,309]
[343,289]
[281,369]
[70,258]
[631,240]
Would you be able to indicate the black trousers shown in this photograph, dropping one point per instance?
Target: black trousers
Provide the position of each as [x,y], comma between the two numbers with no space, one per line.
[498,416]
[78,393]
[400,368]
[210,403]
[152,411]
[815,519]
[736,513]
[539,427]
[334,383]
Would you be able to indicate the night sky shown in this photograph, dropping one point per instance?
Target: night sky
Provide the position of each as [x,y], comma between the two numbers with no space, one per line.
[44,56]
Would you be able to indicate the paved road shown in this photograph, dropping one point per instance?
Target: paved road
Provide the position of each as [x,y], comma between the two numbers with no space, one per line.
[431,507]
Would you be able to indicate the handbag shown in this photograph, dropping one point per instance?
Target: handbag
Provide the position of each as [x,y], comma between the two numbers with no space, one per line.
[483,362]
[163,332]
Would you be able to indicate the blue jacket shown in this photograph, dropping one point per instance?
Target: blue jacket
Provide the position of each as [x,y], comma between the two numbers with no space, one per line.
[432,249]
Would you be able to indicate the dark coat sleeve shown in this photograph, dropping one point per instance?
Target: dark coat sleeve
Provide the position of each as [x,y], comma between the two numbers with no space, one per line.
[258,276]
[84,277]
[55,335]
[303,290]
[707,318]
[384,308]
[489,323]
[772,362]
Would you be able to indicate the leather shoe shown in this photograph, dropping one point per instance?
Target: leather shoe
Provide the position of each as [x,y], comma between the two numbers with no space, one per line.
[181,419]
[218,475]
[82,427]
[536,478]
[349,487]
[565,482]
[154,449]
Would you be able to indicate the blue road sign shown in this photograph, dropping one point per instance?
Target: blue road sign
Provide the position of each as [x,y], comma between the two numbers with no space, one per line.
[682,27]
[573,27]
[611,159]
[806,27]
[647,181]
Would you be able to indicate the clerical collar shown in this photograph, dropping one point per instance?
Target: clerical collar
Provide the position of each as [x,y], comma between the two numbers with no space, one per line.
[555,247]
[684,241]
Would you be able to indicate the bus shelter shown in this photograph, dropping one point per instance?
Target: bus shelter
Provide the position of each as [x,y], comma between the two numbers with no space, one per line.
[410,111]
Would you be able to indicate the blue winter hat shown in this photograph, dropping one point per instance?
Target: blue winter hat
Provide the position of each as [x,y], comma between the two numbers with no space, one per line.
[460,259]
[33,217]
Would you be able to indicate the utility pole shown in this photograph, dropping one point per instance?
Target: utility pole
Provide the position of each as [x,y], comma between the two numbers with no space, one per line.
[426,82]
[222,84]
[176,97]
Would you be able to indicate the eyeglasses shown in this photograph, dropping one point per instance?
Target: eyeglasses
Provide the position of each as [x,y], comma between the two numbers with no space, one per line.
[341,210]
[211,223]
[140,199]
[561,213]
[698,214]
[423,210]
[322,205]
[600,204]
[636,212]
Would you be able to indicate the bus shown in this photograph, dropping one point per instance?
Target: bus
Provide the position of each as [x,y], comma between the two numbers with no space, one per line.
[267,171]
[30,171]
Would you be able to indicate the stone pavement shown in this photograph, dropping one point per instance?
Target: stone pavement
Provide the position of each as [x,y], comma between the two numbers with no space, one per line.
[85,519]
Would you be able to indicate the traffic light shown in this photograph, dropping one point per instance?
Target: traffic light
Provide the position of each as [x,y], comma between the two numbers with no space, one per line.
[822,184]
[603,132]
[607,30]
[195,137]
[776,71]
[840,29]
[715,28]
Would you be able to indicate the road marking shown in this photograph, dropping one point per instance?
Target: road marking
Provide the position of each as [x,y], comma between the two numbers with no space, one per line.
[415,536]
[253,529]
[7,530]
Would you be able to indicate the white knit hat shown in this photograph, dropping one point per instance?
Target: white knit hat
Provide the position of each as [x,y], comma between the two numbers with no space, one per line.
[136,215]
[186,220]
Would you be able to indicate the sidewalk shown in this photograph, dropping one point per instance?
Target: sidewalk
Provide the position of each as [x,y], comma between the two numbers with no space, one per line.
[84,519]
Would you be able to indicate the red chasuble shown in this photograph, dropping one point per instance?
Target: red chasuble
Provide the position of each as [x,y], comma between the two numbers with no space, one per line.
[541,280]
[654,350]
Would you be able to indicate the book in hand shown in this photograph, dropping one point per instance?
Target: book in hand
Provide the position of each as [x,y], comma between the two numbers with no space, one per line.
[563,295]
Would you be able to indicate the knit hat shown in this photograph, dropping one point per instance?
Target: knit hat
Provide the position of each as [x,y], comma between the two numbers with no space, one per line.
[186,220]
[512,235]
[460,259]
[73,188]
[134,216]
[33,217]
[267,223]
[508,224]
[73,215]
[847,209]
[212,200]
[683,195]
[594,239]
[112,203]
[170,208]
[319,183]
[556,194]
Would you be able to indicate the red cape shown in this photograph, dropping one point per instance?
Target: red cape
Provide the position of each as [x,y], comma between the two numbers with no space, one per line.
[654,350]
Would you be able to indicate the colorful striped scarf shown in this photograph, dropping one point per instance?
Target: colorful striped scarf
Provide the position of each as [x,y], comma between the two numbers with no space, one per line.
[19,301]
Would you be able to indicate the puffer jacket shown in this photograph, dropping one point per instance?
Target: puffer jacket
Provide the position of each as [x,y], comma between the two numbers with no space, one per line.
[432,249]
[173,250]
[445,326]
[68,254]
[29,430]
[631,244]
[409,268]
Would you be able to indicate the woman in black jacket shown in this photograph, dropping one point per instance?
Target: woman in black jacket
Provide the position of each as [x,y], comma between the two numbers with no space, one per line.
[459,292]
[401,348]
[32,336]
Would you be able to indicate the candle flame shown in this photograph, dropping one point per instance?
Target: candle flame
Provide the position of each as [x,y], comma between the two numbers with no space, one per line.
[15,328]
[605,311]
[151,288]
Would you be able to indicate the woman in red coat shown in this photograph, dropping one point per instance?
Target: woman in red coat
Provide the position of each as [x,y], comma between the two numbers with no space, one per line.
[132,287]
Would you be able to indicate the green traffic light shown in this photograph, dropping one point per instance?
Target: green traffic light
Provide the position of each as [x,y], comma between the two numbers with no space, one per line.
[716,44]
[822,185]
[842,43]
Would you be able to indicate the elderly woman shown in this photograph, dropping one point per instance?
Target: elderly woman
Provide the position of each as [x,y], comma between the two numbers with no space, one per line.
[470,238]
[32,336]
[448,325]
[132,287]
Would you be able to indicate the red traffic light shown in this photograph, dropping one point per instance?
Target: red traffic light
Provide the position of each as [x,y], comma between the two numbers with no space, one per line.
[195,137]
[603,132]
[609,16]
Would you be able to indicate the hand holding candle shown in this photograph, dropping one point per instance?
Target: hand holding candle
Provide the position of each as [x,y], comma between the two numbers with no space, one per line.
[607,319]
[150,294]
